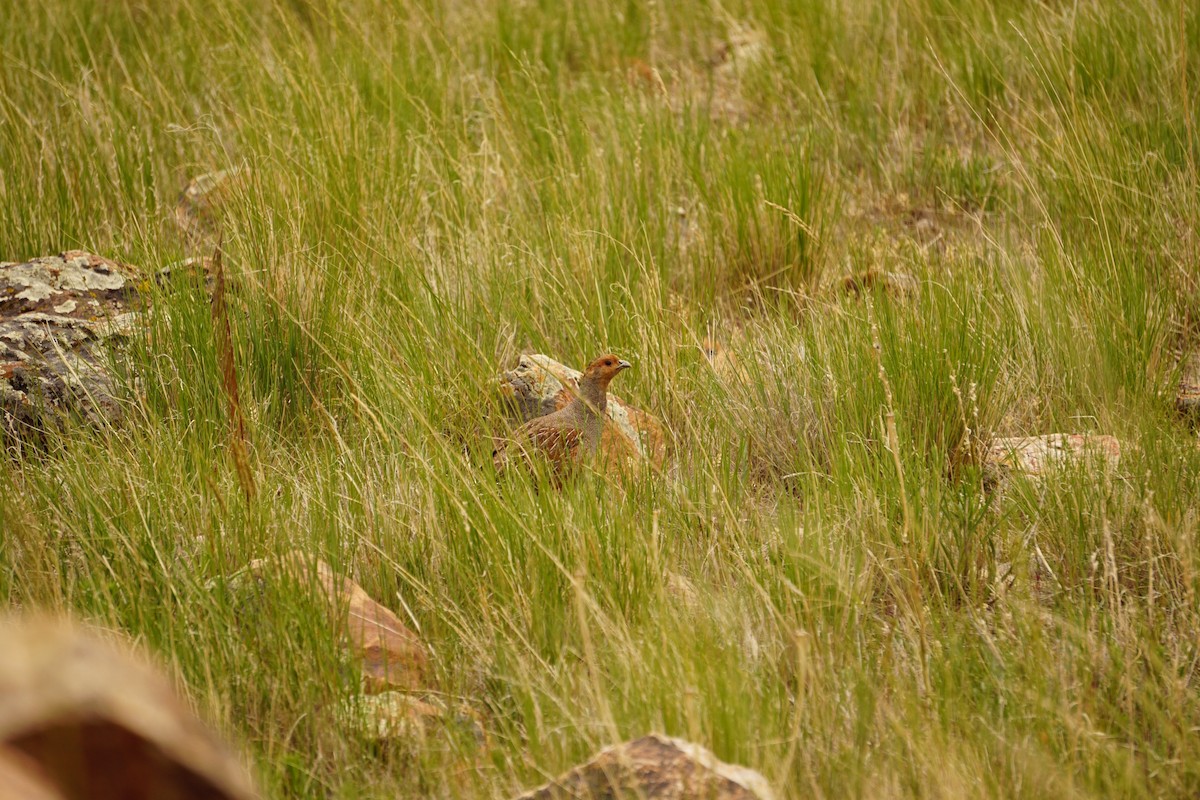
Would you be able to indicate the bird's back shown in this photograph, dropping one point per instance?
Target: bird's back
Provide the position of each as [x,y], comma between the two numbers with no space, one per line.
[559,438]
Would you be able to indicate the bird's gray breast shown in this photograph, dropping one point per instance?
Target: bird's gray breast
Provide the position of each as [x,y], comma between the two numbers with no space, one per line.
[592,430]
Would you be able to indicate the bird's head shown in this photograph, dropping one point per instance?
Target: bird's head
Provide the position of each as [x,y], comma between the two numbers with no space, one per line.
[603,369]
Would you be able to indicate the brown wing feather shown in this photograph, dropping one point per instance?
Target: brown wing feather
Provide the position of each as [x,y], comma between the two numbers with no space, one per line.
[559,443]
[550,437]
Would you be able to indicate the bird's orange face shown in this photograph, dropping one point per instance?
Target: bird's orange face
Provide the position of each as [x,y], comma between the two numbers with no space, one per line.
[605,367]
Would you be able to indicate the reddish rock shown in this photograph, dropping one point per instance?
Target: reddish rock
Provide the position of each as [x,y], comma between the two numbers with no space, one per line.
[102,724]
[391,655]
[22,779]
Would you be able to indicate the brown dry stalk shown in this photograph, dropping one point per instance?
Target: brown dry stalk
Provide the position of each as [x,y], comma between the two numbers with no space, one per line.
[224,341]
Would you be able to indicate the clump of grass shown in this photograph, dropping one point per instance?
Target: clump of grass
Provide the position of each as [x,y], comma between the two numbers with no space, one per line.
[765,204]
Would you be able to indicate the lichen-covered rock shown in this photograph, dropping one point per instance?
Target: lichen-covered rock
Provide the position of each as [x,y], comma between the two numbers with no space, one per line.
[390,655]
[540,385]
[101,724]
[57,316]
[1035,456]
[655,767]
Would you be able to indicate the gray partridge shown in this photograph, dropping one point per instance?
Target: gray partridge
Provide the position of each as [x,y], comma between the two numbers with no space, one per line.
[571,434]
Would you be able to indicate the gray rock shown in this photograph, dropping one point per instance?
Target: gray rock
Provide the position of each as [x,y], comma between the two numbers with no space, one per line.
[57,317]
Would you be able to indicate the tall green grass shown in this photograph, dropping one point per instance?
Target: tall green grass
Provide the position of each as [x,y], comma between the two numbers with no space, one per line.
[431,188]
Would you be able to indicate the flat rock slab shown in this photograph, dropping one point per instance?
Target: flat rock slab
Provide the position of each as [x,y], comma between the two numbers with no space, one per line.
[99,723]
[391,656]
[540,385]
[1035,456]
[655,767]
[57,316]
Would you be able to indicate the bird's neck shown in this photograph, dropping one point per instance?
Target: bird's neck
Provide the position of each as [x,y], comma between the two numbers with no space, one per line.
[588,409]
[591,401]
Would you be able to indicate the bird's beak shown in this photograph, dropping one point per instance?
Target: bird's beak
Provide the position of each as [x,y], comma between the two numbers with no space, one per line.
[623,365]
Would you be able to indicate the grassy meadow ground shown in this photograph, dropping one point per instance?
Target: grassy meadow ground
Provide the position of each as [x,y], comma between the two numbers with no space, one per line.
[433,187]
